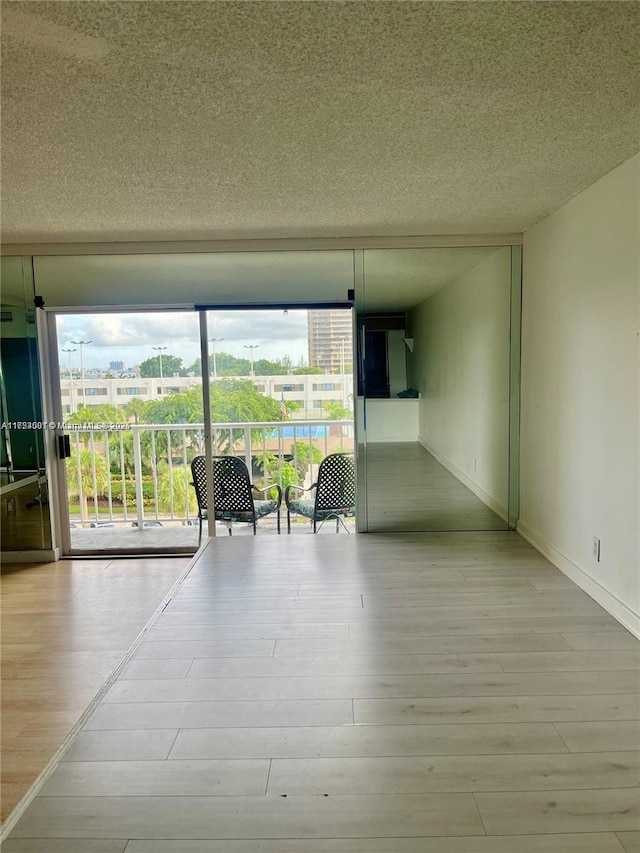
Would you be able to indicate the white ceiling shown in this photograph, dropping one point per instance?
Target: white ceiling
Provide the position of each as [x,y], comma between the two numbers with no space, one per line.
[221,120]
[400,279]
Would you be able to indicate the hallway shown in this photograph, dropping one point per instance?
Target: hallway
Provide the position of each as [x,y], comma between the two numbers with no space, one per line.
[360,693]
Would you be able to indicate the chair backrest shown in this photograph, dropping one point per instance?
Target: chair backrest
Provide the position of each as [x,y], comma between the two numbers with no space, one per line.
[199,474]
[231,484]
[336,483]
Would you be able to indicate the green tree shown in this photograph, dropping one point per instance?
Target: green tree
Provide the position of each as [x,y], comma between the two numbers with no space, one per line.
[238,400]
[232,400]
[305,455]
[226,365]
[231,365]
[171,365]
[336,411]
[174,491]
[81,469]
[121,455]
[105,413]
[271,467]
[264,367]
[134,409]
[178,407]
[302,371]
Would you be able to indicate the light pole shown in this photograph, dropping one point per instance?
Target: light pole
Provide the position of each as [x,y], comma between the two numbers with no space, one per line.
[82,344]
[342,374]
[160,350]
[70,380]
[213,342]
[251,348]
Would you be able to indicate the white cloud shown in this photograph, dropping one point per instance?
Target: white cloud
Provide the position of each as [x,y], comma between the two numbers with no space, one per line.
[131,336]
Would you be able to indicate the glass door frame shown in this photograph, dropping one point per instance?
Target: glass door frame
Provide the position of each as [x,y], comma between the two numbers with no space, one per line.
[54,420]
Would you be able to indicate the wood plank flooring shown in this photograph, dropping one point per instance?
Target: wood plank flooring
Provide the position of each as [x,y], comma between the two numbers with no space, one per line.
[65,627]
[360,694]
[410,490]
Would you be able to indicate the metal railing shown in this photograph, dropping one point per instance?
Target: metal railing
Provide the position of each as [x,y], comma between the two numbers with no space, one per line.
[137,473]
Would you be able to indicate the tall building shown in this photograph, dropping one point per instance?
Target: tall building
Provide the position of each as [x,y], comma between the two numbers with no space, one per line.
[330,336]
[116,366]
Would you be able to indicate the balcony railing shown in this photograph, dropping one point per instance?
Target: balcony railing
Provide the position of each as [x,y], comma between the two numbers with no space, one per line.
[139,473]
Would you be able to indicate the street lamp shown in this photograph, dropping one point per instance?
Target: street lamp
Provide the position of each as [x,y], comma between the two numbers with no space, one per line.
[213,342]
[160,350]
[82,344]
[251,348]
[342,374]
[70,379]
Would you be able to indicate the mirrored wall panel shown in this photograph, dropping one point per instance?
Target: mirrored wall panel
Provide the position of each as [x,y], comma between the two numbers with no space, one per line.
[23,485]
[434,374]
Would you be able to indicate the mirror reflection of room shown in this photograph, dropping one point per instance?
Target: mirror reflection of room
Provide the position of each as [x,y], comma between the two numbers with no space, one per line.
[23,485]
[434,340]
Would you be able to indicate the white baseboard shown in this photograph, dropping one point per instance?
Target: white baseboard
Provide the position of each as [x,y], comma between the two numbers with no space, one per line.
[391,439]
[606,599]
[50,556]
[477,490]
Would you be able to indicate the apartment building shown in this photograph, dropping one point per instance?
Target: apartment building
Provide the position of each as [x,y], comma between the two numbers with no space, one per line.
[310,392]
[330,340]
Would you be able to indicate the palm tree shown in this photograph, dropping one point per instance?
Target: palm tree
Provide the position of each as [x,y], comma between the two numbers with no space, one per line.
[121,454]
[173,485]
[134,409]
[84,480]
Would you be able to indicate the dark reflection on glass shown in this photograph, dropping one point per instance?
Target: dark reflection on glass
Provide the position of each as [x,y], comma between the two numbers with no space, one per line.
[25,515]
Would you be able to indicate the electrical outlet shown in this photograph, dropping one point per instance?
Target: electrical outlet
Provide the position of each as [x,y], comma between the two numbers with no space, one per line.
[596,549]
[10,506]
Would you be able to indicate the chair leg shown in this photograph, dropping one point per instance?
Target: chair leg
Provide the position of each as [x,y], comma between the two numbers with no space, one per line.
[288,521]
[278,521]
[200,533]
[337,524]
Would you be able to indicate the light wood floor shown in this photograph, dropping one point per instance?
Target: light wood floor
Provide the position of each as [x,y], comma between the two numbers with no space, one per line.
[65,626]
[369,694]
[409,490]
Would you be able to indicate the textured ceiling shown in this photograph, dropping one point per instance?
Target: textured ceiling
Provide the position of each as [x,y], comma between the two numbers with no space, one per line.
[212,120]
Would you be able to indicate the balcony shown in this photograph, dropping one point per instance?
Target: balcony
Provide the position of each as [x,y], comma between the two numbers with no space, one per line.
[129,489]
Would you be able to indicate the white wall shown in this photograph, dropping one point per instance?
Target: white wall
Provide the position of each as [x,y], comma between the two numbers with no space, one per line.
[389,420]
[580,390]
[460,365]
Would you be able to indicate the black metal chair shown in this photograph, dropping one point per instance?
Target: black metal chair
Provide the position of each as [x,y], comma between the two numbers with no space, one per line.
[335,495]
[232,493]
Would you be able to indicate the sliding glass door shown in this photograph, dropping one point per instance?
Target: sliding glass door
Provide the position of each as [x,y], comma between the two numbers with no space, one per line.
[129,400]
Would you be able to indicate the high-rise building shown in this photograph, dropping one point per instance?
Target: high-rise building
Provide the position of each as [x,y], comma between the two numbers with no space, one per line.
[116,366]
[330,334]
